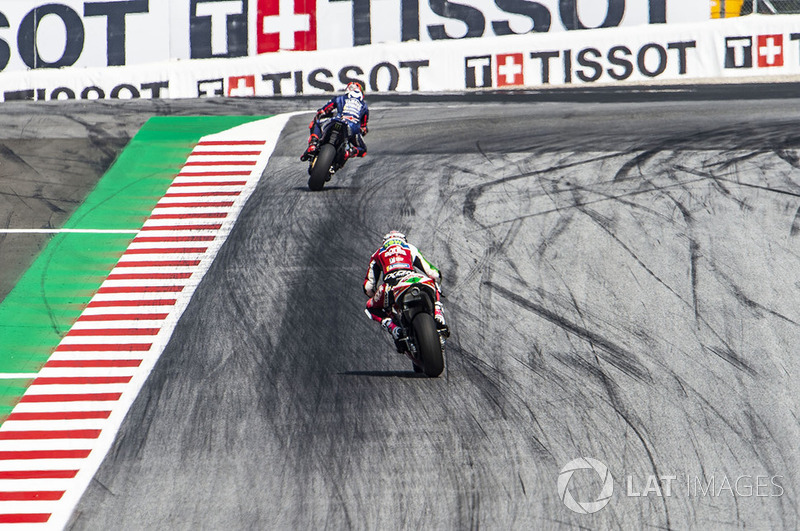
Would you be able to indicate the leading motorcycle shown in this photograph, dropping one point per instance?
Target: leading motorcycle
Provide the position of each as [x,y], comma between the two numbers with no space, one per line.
[332,146]
[412,306]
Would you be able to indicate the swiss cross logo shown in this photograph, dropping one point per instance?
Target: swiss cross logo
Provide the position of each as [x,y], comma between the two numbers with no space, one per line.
[770,50]
[509,70]
[242,86]
[286,25]
[763,51]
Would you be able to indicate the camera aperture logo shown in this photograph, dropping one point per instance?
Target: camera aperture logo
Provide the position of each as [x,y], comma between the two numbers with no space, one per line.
[585,507]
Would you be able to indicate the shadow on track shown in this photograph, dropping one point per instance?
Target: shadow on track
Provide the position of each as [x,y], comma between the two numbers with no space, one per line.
[385,374]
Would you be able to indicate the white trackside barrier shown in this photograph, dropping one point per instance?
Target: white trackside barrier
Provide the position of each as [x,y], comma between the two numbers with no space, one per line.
[747,47]
[38,34]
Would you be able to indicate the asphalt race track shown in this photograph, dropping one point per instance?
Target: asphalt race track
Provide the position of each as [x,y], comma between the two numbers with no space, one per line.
[621,276]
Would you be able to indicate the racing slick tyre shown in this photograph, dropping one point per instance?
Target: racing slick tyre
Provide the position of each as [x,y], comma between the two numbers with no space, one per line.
[430,350]
[320,168]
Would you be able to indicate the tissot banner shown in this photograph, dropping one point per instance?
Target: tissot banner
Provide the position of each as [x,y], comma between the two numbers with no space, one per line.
[756,46]
[37,34]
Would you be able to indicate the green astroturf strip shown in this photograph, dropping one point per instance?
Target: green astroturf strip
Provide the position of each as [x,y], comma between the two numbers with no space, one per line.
[51,295]
[10,391]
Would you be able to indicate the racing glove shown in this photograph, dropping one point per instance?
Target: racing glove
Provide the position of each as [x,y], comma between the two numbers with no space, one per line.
[369,290]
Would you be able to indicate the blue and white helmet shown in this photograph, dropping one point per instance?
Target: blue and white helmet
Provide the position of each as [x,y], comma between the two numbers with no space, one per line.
[354,90]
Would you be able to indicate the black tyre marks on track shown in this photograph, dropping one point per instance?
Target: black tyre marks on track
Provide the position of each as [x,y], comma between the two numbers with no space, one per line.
[604,300]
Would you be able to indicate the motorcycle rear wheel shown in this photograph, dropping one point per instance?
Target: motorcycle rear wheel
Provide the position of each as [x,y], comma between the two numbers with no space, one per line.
[320,169]
[430,349]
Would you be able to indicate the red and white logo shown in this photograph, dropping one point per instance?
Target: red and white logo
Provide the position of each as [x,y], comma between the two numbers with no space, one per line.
[770,50]
[509,70]
[286,25]
[242,86]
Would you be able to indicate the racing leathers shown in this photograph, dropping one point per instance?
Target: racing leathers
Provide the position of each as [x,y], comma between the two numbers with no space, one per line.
[354,111]
[393,261]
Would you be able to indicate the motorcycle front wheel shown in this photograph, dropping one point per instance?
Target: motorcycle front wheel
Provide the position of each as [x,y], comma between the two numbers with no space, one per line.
[321,167]
[430,349]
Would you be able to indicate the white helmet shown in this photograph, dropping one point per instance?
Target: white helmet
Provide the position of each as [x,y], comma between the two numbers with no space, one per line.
[394,235]
[354,90]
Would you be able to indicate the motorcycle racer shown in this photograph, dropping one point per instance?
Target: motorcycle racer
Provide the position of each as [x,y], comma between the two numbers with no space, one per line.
[394,260]
[353,108]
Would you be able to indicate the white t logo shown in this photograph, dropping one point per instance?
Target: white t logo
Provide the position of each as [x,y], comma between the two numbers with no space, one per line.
[478,64]
[739,47]
[219,11]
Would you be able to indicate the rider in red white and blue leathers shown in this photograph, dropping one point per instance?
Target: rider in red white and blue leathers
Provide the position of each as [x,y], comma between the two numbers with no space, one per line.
[350,106]
[394,260]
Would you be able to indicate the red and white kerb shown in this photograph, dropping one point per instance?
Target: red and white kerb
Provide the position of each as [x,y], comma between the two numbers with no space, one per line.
[56,437]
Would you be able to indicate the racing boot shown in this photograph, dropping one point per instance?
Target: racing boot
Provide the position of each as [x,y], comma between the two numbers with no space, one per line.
[395,331]
[350,153]
[438,316]
[311,150]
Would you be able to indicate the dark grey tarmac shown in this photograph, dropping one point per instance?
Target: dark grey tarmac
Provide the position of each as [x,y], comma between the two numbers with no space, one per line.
[621,280]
